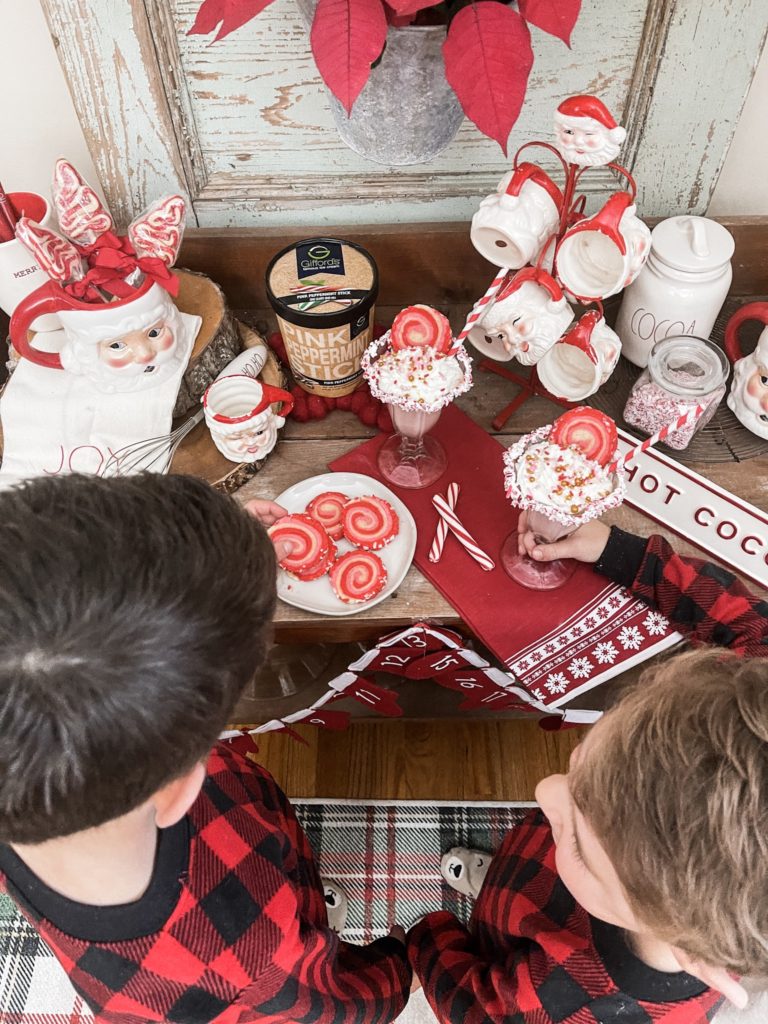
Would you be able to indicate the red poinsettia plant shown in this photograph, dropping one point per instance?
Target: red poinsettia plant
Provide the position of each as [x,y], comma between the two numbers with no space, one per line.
[487,50]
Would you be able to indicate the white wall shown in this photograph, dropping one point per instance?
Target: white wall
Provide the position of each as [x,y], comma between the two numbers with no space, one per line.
[38,122]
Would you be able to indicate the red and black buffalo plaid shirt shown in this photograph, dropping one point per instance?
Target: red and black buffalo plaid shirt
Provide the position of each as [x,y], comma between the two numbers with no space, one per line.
[701,599]
[232,928]
[532,955]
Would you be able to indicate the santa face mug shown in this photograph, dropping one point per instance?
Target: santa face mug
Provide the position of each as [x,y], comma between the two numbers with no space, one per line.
[748,398]
[582,360]
[513,225]
[600,255]
[528,316]
[586,133]
[240,418]
[131,344]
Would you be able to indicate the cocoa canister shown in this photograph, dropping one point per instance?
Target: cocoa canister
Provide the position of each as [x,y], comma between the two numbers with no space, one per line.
[323,291]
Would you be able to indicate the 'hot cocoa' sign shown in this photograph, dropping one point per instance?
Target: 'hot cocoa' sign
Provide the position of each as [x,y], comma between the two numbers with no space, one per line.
[723,525]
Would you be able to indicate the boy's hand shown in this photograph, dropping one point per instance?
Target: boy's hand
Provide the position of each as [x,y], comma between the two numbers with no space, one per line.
[397,932]
[268,513]
[585,544]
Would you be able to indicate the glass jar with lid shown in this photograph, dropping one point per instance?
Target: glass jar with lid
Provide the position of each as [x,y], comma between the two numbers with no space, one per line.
[682,373]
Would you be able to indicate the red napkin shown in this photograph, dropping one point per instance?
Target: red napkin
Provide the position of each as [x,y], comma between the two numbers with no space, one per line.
[557,642]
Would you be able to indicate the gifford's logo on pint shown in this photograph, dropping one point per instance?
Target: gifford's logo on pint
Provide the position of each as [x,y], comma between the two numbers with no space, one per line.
[317,257]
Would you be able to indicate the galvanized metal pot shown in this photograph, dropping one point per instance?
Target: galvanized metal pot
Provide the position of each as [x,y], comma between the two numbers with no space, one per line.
[407,113]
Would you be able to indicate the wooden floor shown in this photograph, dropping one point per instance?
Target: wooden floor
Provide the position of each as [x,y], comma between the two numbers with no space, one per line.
[494,760]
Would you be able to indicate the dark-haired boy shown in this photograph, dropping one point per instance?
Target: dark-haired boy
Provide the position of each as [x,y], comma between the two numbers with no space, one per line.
[132,613]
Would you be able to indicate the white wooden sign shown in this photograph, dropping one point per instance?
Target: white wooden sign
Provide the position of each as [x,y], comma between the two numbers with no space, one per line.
[722,525]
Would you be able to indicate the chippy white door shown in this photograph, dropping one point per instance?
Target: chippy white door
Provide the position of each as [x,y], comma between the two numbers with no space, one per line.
[243,127]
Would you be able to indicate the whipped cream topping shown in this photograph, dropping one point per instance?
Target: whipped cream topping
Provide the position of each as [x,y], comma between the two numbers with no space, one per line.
[559,482]
[416,378]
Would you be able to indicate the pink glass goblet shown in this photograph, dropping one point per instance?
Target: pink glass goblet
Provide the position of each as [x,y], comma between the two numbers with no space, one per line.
[525,570]
[411,458]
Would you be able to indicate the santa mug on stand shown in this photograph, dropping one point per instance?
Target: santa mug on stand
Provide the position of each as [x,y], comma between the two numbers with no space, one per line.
[131,344]
[239,415]
[525,320]
[600,255]
[748,398]
[513,224]
[582,360]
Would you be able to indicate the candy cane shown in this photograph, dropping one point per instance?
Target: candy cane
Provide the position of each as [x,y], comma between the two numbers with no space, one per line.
[441,533]
[691,416]
[461,533]
[56,255]
[479,307]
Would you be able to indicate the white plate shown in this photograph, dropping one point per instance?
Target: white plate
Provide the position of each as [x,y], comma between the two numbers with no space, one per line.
[317,595]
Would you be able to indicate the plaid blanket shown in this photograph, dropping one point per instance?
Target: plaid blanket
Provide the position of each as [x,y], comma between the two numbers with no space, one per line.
[385,855]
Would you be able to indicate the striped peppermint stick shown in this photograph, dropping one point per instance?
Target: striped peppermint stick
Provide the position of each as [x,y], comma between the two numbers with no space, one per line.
[480,306]
[688,417]
[441,533]
[461,533]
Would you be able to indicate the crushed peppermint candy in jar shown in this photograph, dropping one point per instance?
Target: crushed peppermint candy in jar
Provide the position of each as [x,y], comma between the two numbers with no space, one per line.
[649,408]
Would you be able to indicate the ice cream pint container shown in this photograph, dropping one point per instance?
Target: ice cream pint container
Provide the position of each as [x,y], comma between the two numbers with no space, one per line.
[323,292]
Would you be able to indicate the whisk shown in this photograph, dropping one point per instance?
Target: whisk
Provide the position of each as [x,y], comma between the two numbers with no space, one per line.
[153,455]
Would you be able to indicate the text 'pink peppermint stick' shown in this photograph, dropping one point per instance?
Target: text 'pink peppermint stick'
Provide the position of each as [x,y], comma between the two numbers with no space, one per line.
[461,533]
[688,417]
[436,551]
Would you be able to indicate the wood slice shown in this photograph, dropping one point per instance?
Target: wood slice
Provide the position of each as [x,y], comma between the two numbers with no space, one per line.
[199,456]
[218,340]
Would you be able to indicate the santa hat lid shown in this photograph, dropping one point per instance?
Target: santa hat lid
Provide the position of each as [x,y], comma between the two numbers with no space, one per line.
[580,335]
[587,106]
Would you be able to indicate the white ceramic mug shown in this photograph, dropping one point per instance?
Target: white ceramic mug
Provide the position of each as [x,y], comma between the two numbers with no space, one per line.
[513,225]
[239,415]
[528,316]
[20,273]
[582,360]
[748,397]
[600,255]
[131,344]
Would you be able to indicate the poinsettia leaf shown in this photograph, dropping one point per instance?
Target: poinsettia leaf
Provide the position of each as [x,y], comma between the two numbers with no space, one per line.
[411,6]
[557,17]
[347,37]
[228,14]
[488,59]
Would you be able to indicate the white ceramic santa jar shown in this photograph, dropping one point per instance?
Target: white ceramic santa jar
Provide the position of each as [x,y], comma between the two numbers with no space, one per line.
[682,287]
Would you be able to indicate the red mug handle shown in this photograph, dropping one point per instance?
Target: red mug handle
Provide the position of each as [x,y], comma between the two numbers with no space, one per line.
[752,311]
[48,298]
[273,394]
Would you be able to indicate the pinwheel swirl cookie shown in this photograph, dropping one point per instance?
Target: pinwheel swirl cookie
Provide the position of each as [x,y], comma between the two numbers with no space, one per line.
[327,509]
[312,550]
[358,576]
[369,522]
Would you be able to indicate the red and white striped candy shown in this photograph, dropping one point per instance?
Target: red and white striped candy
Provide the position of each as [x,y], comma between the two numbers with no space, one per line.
[157,232]
[326,509]
[370,522]
[687,417]
[481,305]
[310,544]
[56,255]
[80,212]
[462,534]
[421,327]
[436,551]
[358,576]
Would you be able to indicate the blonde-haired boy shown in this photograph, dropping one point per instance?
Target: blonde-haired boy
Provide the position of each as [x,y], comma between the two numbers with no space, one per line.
[638,890]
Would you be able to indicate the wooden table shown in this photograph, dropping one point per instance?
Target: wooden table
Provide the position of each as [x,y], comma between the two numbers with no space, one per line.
[306,449]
